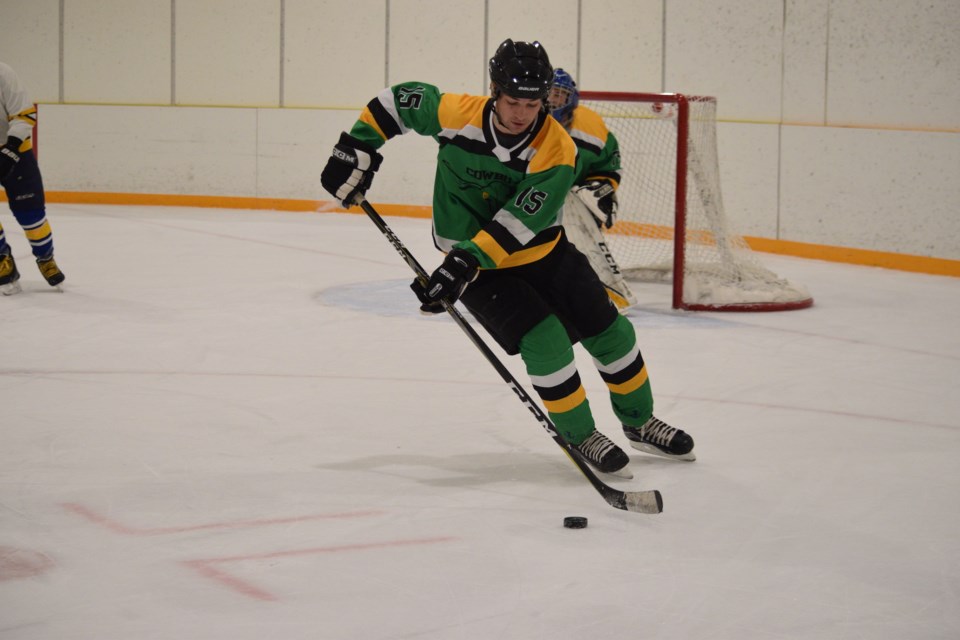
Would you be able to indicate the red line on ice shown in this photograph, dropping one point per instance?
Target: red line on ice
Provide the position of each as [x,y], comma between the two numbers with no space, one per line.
[207,566]
[118,527]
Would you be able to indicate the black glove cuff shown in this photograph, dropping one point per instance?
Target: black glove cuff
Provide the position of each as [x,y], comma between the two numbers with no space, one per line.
[471,265]
[350,141]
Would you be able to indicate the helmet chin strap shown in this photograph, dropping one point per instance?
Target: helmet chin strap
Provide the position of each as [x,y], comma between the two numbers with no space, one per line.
[496,93]
[498,120]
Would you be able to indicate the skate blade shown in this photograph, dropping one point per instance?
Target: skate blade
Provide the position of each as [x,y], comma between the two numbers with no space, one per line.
[623,474]
[648,448]
[10,288]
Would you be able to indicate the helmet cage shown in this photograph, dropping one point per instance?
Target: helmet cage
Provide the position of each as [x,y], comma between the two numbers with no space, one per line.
[563,97]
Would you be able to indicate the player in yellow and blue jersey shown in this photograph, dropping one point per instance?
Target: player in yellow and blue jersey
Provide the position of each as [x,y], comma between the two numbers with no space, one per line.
[20,177]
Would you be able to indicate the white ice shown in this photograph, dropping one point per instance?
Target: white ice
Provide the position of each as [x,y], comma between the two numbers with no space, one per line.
[236,425]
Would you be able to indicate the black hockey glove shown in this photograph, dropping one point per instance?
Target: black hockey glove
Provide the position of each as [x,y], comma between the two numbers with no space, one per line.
[600,196]
[9,157]
[350,169]
[458,270]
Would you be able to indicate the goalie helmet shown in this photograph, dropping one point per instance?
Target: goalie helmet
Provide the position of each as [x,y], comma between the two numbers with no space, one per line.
[521,70]
[564,96]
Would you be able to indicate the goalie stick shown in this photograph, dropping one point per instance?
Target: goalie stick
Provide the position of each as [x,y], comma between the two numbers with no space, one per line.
[638,501]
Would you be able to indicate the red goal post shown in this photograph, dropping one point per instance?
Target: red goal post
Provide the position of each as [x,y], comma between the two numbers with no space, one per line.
[671,224]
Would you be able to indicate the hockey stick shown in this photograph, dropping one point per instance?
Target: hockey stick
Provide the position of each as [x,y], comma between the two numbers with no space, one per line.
[638,501]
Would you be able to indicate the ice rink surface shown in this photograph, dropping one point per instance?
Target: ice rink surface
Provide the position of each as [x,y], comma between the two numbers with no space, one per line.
[236,425]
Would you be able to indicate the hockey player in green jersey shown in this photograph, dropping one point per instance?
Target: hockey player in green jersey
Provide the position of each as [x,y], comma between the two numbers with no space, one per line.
[504,167]
[598,175]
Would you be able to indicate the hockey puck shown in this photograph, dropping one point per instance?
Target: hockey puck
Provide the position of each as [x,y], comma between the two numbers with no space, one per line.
[575,522]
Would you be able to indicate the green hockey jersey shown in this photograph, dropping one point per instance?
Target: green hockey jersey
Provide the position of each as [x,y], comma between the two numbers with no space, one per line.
[500,204]
[599,157]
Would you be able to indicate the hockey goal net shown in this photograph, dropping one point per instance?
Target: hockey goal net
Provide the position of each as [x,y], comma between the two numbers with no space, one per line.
[671,224]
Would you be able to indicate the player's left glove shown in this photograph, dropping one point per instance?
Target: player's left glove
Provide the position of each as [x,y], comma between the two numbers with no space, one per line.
[449,280]
[9,157]
[600,196]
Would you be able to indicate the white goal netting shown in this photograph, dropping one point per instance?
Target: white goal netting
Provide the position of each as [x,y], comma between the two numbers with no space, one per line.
[672,225]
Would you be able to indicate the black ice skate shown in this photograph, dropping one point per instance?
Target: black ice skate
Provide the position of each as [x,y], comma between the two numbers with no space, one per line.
[661,439]
[9,275]
[51,272]
[604,455]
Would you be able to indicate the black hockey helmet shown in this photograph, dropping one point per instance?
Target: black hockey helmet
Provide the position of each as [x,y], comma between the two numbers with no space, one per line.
[521,70]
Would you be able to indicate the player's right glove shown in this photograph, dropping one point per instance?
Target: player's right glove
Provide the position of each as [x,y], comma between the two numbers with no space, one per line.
[600,196]
[449,280]
[349,171]
[9,157]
